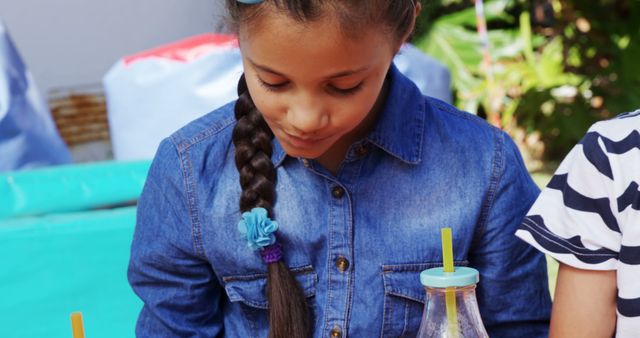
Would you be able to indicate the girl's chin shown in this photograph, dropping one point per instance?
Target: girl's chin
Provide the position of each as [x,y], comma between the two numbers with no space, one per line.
[305,149]
[294,152]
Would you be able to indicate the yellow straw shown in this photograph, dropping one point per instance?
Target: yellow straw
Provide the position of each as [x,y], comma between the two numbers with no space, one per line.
[447,250]
[76,325]
[452,313]
[450,293]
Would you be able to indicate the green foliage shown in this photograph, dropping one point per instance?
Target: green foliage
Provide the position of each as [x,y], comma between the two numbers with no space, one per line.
[550,77]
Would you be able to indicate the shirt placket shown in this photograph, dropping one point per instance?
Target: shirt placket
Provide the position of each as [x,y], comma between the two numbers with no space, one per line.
[340,252]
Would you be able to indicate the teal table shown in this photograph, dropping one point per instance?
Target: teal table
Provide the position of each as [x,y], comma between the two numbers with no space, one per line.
[55,261]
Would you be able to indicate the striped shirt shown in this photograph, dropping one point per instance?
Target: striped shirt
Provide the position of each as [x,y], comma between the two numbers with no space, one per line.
[588,216]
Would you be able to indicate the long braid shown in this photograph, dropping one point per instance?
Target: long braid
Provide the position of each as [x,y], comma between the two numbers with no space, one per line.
[252,139]
[288,312]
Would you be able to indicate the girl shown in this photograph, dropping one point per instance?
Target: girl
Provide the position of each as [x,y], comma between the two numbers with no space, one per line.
[344,174]
[588,218]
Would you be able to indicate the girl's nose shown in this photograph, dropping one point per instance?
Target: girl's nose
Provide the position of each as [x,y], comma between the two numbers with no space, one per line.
[307,116]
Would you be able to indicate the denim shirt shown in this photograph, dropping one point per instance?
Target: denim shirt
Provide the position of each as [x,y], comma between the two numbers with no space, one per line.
[357,241]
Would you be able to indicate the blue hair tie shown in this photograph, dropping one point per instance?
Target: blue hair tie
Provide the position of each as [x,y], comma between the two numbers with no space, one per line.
[250,2]
[258,228]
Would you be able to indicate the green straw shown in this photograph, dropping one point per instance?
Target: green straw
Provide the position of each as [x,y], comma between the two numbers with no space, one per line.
[450,293]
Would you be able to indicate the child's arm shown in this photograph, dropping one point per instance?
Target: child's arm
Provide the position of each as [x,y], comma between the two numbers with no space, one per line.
[584,304]
[513,293]
[580,220]
[176,283]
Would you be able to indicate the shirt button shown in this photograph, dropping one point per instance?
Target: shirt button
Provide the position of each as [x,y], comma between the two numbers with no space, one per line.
[336,332]
[337,192]
[342,264]
[305,163]
[362,150]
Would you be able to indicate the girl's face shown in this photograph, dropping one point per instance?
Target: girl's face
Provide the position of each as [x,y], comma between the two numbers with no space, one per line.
[315,87]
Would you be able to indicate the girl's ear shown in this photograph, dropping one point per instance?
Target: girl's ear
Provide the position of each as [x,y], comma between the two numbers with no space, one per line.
[407,35]
[418,9]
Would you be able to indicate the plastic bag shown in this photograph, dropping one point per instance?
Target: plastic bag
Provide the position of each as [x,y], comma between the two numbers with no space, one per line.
[28,137]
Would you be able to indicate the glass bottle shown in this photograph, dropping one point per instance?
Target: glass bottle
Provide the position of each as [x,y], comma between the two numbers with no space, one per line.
[451,309]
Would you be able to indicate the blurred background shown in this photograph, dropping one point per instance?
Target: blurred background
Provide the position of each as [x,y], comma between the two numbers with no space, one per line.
[69,45]
[88,89]
[546,72]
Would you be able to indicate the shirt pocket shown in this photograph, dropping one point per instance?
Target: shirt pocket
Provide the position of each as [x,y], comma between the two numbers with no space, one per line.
[404,298]
[249,293]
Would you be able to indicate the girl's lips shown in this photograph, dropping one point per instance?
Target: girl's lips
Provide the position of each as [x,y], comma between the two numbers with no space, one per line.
[302,142]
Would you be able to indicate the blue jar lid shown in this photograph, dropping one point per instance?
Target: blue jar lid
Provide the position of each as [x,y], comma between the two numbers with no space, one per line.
[437,278]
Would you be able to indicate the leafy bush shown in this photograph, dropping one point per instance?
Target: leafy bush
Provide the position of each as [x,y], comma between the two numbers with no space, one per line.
[550,76]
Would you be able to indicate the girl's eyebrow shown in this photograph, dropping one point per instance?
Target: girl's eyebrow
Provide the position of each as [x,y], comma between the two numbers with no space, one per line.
[332,76]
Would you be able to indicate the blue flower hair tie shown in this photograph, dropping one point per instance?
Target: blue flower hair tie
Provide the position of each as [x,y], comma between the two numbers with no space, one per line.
[250,2]
[258,228]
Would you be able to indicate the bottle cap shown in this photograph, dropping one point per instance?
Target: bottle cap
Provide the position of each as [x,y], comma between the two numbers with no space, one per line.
[437,278]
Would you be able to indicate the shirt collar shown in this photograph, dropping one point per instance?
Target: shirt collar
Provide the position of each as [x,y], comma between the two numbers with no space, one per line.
[278,154]
[399,130]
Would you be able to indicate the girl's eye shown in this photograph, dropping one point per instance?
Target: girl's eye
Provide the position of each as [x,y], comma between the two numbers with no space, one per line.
[273,86]
[346,91]
[276,87]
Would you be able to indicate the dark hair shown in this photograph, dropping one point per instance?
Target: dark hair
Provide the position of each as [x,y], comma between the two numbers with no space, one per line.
[396,16]
[288,312]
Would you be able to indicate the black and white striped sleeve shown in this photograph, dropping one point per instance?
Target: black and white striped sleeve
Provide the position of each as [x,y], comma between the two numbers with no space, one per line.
[591,201]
